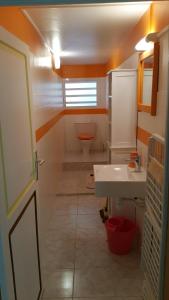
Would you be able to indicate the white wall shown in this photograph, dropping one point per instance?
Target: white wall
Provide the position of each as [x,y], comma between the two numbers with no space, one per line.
[101,96]
[47,89]
[156,124]
[47,102]
[71,142]
[129,209]
[131,62]
[153,124]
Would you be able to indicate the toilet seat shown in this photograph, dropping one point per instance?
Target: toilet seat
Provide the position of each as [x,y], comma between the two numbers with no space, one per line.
[85,137]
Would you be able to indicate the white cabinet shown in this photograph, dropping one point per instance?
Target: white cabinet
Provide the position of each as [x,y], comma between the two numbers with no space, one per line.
[122,110]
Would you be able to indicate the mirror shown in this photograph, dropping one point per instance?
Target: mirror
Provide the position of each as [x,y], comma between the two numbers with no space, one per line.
[148,80]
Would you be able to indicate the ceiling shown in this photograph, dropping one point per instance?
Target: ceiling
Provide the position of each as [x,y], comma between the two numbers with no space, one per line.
[86,34]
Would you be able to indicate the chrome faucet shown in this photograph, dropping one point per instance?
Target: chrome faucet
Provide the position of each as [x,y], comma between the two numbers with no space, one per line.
[137,161]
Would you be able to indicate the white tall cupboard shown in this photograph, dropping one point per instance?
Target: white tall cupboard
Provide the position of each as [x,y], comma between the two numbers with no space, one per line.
[122,99]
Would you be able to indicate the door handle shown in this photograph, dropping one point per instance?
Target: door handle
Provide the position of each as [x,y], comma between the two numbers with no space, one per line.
[38,162]
[41,162]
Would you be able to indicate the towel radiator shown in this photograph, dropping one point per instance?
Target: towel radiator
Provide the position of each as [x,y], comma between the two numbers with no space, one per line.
[153,220]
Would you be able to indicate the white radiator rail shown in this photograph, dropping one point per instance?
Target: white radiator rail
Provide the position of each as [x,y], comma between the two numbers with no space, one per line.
[153,219]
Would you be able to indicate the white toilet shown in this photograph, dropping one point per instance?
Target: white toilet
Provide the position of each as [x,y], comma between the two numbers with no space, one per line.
[86,133]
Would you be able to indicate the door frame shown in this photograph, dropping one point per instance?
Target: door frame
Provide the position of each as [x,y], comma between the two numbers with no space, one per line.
[3,288]
[33,199]
[164,272]
[9,214]
[164,290]
[58,2]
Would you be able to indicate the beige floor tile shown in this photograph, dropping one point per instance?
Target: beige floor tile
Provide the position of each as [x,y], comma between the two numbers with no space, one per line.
[92,253]
[93,156]
[90,227]
[106,282]
[130,261]
[73,181]
[61,233]
[62,221]
[129,287]
[90,233]
[67,298]
[62,201]
[66,209]
[76,247]
[95,253]
[61,298]
[109,298]
[59,284]
[93,282]
[66,199]
[90,204]
[89,221]
[61,227]
[59,254]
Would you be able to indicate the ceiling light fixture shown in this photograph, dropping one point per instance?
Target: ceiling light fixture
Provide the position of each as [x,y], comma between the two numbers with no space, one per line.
[152,37]
[56,59]
[144,45]
[43,62]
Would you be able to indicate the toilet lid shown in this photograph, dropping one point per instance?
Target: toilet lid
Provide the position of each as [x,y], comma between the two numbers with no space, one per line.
[85,137]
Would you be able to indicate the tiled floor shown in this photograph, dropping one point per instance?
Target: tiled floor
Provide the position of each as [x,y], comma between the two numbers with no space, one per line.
[74,182]
[93,156]
[77,261]
[76,173]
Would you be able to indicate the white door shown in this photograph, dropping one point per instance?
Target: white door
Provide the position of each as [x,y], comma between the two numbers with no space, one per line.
[124,109]
[18,207]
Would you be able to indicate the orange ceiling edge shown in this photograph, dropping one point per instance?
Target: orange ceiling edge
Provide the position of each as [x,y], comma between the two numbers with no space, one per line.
[155,19]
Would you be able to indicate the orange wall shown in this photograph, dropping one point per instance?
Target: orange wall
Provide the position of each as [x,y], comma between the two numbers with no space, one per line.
[160,16]
[126,48]
[80,71]
[155,19]
[143,135]
[15,22]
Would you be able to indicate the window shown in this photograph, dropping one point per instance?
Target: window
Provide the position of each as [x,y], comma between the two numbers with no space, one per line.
[81,93]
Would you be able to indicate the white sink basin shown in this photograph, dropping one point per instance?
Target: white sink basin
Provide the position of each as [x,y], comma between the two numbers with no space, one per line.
[119,181]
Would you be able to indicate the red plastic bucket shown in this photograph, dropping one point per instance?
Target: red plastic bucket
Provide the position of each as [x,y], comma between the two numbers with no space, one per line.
[120,233]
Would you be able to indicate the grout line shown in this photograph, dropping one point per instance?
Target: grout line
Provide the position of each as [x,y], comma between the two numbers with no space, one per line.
[75,250]
[74,194]
[97,297]
[75,243]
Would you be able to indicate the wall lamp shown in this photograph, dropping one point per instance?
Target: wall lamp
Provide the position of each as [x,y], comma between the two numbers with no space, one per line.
[56,60]
[147,43]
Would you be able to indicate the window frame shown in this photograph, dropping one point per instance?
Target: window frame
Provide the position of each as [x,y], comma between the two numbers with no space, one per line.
[81,80]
